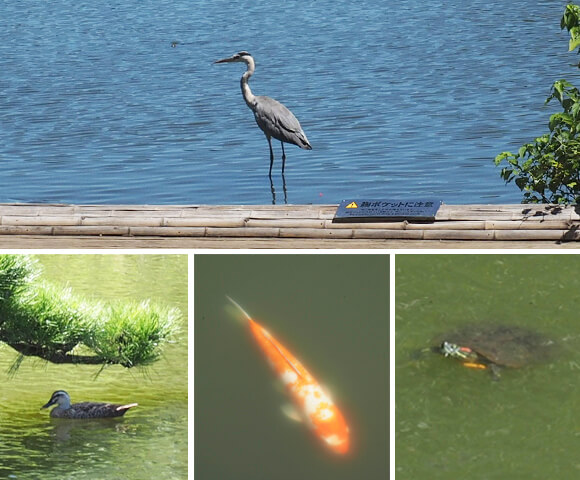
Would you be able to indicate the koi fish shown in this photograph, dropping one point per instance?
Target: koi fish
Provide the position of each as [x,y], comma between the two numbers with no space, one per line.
[318,410]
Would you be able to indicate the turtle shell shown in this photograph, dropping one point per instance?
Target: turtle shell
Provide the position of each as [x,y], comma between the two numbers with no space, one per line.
[504,345]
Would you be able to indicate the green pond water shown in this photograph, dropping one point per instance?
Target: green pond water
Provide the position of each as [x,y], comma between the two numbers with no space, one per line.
[151,440]
[332,313]
[457,422]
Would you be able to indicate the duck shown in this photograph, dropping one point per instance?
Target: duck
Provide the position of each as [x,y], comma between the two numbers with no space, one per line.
[64,409]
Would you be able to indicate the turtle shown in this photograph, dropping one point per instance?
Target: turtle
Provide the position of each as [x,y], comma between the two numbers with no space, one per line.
[495,346]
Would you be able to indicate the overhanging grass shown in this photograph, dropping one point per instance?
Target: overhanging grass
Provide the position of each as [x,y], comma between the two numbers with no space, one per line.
[45,320]
[47,316]
[16,272]
[132,333]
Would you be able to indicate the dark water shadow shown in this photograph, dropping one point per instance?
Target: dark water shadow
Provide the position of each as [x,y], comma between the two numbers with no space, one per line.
[273,190]
[66,430]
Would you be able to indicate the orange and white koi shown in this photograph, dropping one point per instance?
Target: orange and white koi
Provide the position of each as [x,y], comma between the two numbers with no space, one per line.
[318,410]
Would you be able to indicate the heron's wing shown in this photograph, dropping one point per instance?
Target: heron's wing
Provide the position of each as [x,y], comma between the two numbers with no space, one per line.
[277,121]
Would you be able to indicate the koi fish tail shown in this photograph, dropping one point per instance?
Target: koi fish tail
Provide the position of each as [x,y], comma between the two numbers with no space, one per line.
[238,312]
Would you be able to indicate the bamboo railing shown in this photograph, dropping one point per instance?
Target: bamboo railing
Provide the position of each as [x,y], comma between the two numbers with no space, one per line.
[487,223]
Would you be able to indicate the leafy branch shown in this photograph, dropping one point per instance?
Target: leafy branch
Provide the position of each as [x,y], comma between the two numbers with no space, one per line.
[548,169]
[51,322]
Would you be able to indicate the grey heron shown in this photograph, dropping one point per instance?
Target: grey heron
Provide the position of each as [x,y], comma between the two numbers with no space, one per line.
[272,117]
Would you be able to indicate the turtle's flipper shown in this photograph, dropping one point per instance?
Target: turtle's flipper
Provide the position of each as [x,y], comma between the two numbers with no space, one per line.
[495,371]
[475,365]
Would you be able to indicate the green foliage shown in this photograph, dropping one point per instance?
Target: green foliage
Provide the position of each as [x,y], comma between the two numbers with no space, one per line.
[130,333]
[46,317]
[548,170]
[570,22]
[51,322]
[16,271]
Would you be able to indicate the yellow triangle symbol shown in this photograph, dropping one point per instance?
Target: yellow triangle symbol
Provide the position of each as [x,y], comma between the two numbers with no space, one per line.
[352,205]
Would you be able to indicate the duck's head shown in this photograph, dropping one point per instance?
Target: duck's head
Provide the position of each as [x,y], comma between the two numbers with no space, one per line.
[59,397]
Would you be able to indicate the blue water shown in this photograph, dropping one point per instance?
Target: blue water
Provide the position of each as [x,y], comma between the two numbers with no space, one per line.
[120,102]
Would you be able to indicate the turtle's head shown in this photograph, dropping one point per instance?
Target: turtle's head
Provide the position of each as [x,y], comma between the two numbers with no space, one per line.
[455,351]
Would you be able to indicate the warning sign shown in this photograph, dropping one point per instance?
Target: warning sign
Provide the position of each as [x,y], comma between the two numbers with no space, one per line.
[423,210]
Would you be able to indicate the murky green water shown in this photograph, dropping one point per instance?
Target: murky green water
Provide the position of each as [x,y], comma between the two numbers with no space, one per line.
[151,440]
[331,311]
[455,422]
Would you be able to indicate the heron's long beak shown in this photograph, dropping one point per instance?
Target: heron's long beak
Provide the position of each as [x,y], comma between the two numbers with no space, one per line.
[225,60]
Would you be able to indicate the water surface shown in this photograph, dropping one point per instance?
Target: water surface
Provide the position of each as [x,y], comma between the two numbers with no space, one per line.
[454,422]
[150,441]
[331,312]
[121,103]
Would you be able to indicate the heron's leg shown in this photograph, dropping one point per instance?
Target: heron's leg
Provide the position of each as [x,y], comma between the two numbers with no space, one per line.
[283,156]
[271,155]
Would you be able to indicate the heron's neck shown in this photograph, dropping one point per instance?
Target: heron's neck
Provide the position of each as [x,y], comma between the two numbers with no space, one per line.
[246,91]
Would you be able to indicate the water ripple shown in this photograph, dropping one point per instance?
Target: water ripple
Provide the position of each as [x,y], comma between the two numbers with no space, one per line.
[123,104]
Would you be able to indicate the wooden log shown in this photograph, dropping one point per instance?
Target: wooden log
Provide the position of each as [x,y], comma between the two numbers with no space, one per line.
[128,221]
[556,235]
[269,213]
[527,225]
[39,220]
[242,232]
[204,222]
[314,233]
[89,230]
[115,214]
[168,231]
[449,225]
[35,209]
[458,234]
[217,213]
[474,212]
[399,225]
[388,234]
[506,212]
[285,223]
[26,230]
[459,223]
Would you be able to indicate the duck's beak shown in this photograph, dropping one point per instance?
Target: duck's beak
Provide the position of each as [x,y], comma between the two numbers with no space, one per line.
[51,402]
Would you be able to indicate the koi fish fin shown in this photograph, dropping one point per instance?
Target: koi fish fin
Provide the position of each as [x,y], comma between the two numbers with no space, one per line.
[236,310]
[290,411]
